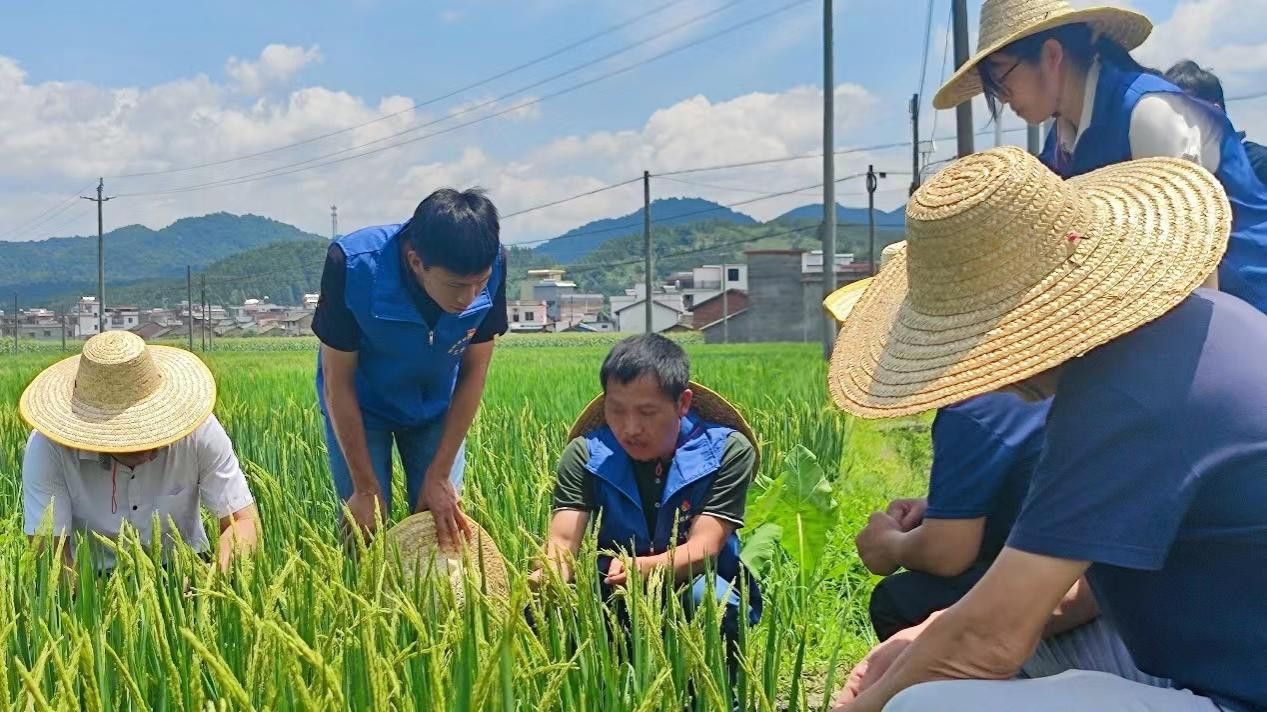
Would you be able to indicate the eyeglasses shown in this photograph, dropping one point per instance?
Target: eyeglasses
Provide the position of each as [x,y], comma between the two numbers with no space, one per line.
[999,81]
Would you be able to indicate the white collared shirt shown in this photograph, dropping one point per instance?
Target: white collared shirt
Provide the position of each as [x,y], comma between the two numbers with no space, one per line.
[1162,124]
[88,492]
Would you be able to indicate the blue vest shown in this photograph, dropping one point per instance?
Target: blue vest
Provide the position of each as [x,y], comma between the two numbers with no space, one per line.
[1106,141]
[406,369]
[622,522]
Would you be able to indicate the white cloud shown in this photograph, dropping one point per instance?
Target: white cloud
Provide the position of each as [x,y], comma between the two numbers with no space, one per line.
[276,65]
[56,137]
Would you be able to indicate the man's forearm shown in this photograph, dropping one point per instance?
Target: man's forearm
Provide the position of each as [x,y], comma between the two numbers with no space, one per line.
[349,431]
[688,560]
[1076,608]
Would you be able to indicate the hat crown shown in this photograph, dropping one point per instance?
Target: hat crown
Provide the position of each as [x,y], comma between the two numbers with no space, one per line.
[1001,19]
[115,368]
[988,228]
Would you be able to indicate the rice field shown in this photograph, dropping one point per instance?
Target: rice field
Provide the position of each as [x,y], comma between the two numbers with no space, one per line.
[302,626]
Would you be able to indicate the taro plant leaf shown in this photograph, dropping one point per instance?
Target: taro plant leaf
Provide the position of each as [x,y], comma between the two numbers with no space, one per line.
[760,547]
[802,508]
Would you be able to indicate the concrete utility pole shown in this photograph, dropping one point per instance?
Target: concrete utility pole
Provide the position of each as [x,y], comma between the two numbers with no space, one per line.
[62,321]
[1032,142]
[725,306]
[963,113]
[15,323]
[334,222]
[189,303]
[871,186]
[829,175]
[646,246]
[101,255]
[914,143]
[204,312]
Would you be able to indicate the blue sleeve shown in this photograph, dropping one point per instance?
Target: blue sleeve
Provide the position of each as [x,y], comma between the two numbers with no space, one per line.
[1112,486]
[970,464]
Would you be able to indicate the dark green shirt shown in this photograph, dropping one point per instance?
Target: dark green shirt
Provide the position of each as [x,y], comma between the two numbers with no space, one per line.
[726,497]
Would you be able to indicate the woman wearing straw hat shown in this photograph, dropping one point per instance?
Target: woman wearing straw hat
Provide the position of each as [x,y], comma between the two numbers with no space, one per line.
[123,434]
[1047,60]
[663,465]
[1154,467]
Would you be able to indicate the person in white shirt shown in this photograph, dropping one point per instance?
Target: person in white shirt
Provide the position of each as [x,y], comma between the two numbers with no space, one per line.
[1048,60]
[124,435]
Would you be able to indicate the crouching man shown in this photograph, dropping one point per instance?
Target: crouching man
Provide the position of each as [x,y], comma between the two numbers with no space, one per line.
[657,454]
[122,433]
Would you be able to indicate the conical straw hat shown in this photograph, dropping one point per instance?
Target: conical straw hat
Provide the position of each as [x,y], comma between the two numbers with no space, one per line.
[707,403]
[840,302]
[415,539]
[1009,271]
[1006,21]
[120,395]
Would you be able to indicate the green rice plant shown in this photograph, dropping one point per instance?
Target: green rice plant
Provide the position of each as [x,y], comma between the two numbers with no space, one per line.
[303,626]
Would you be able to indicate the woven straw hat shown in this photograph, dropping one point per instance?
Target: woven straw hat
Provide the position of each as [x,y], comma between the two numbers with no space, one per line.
[840,302]
[415,539]
[120,395]
[708,404]
[1006,21]
[1009,271]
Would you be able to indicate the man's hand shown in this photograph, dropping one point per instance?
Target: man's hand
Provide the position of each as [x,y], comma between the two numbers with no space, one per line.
[909,513]
[877,544]
[441,499]
[617,574]
[368,509]
[873,666]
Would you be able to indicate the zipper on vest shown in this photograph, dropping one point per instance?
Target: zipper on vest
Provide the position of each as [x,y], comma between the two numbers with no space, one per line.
[431,338]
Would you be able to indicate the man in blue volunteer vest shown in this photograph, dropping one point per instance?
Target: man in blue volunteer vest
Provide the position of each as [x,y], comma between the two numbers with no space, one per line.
[406,319]
[657,456]
[1205,85]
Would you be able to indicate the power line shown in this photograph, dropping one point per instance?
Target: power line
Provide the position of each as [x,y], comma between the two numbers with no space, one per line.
[45,216]
[928,35]
[560,201]
[448,95]
[319,162]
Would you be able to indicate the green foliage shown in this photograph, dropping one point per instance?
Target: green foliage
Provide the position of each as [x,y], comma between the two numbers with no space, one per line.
[795,511]
[56,271]
[301,627]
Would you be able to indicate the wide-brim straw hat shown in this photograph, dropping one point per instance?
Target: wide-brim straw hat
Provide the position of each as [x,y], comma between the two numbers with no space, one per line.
[414,538]
[705,402]
[119,396]
[1006,21]
[839,303]
[1009,271]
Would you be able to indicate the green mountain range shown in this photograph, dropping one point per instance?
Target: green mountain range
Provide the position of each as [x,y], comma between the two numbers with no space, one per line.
[56,269]
[256,257]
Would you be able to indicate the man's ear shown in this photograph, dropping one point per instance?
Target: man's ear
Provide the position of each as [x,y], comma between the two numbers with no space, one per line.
[684,402]
[1053,54]
[415,262]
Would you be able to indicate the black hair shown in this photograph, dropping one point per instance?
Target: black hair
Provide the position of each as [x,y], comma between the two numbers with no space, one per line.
[1078,44]
[650,354]
[456,230]
[1197,81]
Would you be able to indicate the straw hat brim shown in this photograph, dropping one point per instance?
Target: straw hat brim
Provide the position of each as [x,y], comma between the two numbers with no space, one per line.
[839,303]
[415,539]
[708,404]
[182,401]
[1126,27]
[1154,230]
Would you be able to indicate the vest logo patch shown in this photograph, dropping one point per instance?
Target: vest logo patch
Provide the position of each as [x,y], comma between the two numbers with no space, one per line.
[460,346]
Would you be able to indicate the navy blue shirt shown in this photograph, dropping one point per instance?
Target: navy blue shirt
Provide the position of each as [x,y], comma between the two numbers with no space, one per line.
[984,451]
[1155,470]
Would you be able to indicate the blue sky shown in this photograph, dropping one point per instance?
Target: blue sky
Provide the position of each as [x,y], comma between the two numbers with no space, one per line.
[175,84]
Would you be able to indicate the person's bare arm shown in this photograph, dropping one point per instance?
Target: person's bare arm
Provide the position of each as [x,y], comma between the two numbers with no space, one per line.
[567,528]
[703,543]
[339,371]
[239,535]
[438,493]
[1076,608]
[988,634]
[39,542]
[942,547]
